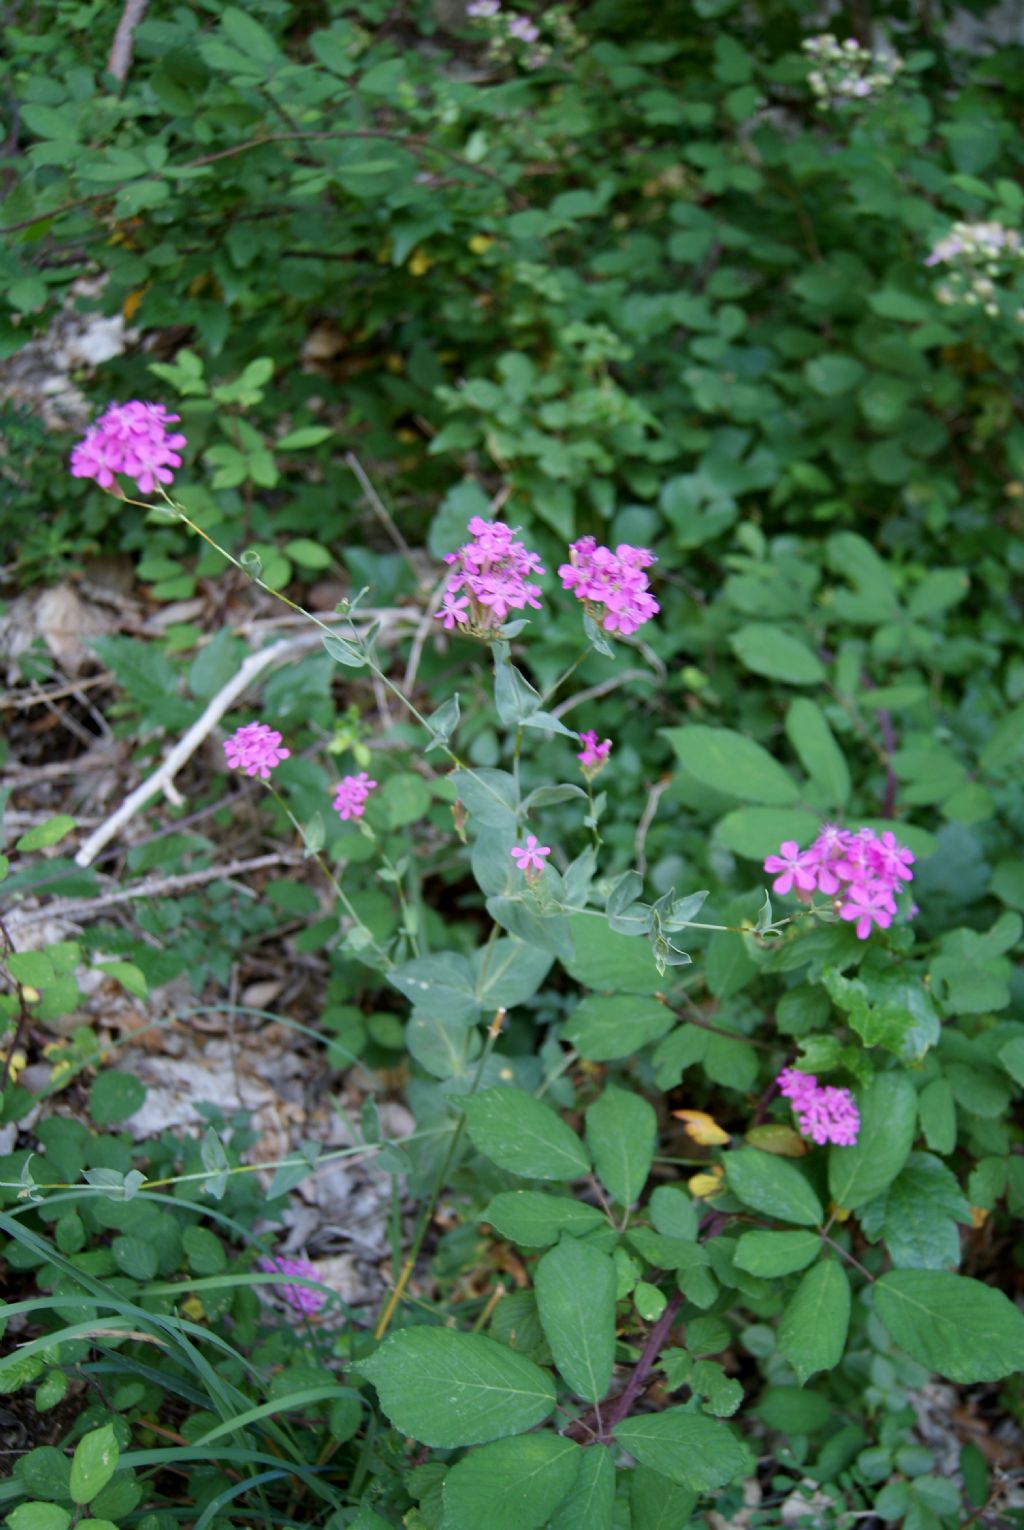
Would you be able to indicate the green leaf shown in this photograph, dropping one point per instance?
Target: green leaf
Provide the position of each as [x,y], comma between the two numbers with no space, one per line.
[443,986]
[672,1212]
[658,1504]
[537,1220]
[575,1287]
[756,832]
[606,1026]
[688,1449]
[958,1327]
[93,1463]
[449,1389]
[1012,1058]
[512,971]
[114,1096]
[730,762]
[769,651]
[523,1135]
[204,1251]
[917,1215]
[621,1133]
[772,1185]
[297,441]
[610,962]
[937,1114]
[513,1485]
[248,35]
[832,375]
[135,1257]
[488,795]
[590,1502]
[888,1121]
[812,1333]
[770,1254]
[39,1516]
[341,651]
[45,834]
[818,752]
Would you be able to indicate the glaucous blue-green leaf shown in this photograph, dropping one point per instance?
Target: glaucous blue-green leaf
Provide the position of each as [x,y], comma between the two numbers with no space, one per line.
[511,1485]
[509,972]
[772,1185]
[693,1451]
[444,1047]
[609,962]
[448,1389]
[812,1333]
[621,1133]
[730,762]
[523,1135]
[443,985]
[888,1122]
[575,1287]
[958,1327]
[488,795]
[536,1219]
[590,1502]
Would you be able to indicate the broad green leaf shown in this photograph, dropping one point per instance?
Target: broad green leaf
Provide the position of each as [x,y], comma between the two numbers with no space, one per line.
[512,1485]
[575,1286]
[489,796]
[609,962]
[776,654]
[591,1499]
[621,1133]
[689,1449]
[756,832]
[41,1516]
[114,1096]
[772,1185]
[832,375]
[93,1463]
[536,1219]
[673,1212]
[523,1135]
[607,1026]
[937,1114]
[917,1215]
[730,762]
[448,1389]
[812,1333]
[658,1504]
[509,972]
[817,751]
[1012,1058]
[958,1327]
[888,1122]
[770,1254]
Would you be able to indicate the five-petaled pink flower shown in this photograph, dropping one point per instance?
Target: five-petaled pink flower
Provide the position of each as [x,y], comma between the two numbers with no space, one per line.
[530,857]
[863,872]
[868,903]
[300,1297]
[351,794]
[255,748]
[792,864]
[132,439]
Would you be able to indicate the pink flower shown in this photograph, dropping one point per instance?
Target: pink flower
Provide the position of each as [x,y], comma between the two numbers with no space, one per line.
[823,1113]
[611,585]
[256,749]
[132,439]
[530,857]
[482,8]
[299,1297]
[593,755]
[793,864]
[351,794]
[490,578]
[523,28]
[868,903]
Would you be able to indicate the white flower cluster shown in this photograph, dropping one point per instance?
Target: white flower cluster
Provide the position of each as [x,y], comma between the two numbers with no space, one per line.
[845,72]
[977,255]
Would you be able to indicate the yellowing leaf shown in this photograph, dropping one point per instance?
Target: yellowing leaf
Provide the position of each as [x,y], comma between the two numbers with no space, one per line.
[702,1128]
[709,1183]
[778,1139]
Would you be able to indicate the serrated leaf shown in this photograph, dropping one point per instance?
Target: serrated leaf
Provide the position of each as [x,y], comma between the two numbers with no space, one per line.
[812,1333]
[575,1287]
[772,1185]
[523,1135]
[622,1132]
[958,1327]
[448,1389]
[688,1449]
[512,1485]
[888,1121]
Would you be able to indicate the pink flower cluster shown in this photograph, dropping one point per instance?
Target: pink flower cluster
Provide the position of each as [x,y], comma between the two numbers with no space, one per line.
[612,583]
[351,794]
[593,755]
[863,871]
[822,1113]
[493,569]
[300,1297]
[256,749]
[132,439]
